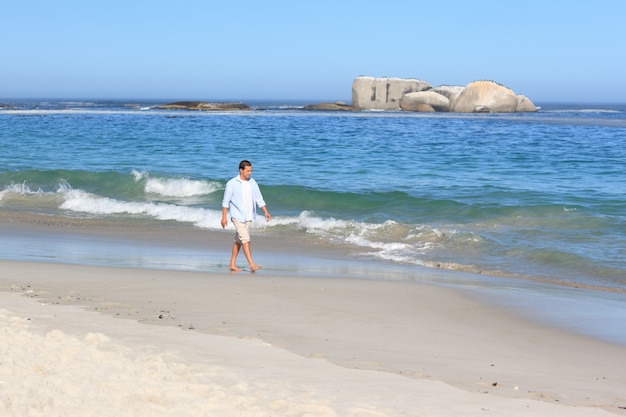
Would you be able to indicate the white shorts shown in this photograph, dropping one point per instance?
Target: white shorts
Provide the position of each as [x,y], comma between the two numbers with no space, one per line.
[242,231]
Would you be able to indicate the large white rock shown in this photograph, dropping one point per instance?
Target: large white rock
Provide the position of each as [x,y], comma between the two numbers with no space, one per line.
[485,97]
[383,93]
[450,91]
[524,104]
[416,101]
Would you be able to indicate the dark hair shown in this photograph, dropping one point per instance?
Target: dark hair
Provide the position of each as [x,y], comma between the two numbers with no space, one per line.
[245,163]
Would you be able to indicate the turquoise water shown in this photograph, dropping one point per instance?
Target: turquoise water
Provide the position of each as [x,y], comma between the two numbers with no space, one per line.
[539,195]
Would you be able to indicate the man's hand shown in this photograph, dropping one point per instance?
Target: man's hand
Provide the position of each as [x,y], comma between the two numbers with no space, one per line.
[224,217]
[267,213]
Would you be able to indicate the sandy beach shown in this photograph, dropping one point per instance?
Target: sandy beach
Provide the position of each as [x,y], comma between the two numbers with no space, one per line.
[94,340]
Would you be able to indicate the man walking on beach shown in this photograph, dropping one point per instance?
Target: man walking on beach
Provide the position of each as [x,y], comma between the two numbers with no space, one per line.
[241,197]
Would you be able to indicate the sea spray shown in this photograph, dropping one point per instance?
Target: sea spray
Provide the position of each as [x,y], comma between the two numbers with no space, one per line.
[176,187]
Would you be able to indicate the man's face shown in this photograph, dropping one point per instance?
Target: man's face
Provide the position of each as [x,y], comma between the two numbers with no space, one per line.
[245,173]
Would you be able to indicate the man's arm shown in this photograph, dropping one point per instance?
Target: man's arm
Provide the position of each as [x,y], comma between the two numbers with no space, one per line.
[224,217]
[267,213]
[228,194]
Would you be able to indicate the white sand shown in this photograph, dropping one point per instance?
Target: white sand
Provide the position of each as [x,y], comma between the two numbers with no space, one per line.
[92,341]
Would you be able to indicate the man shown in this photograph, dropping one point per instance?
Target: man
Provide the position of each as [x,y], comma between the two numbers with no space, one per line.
[241,197]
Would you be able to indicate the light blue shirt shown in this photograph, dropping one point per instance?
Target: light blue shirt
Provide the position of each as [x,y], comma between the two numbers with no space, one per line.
[233,198]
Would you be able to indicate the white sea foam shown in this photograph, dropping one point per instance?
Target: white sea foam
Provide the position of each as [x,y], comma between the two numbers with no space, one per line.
[389,239]
[312,224]
[204,218]
[81,201]
[392,241]
[180,187]
[590,110]
[21,190]
[176,187]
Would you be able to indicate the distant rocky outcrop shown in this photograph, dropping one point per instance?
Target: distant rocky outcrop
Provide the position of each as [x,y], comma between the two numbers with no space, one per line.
[383,93]
[425,101]
[485,97]
[202,105]
[337,106]
[524,104]
[420,96]
[451,92]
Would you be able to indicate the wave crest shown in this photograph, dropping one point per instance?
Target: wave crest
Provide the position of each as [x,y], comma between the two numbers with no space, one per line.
[176,187]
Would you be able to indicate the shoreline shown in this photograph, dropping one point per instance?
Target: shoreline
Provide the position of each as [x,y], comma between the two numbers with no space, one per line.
[157,245]
[215,244]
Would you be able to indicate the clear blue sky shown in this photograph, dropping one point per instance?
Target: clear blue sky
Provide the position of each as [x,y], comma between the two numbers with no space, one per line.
[308,50]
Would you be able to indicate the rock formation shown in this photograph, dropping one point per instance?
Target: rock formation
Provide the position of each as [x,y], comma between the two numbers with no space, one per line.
[383,93]
[524,104]
[337,106]
[450,91]
[369,93]
[418,101]
[485,97]
[202,105]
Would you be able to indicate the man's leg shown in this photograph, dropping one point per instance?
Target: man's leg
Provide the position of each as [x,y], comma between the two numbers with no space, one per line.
[233,258]
[242,238]
[248,253]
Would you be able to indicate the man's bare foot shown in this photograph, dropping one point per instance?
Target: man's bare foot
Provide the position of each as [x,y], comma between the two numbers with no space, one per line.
[255,267]
[234,268]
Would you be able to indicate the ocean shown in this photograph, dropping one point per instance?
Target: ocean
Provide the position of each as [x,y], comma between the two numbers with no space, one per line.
[531,197]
